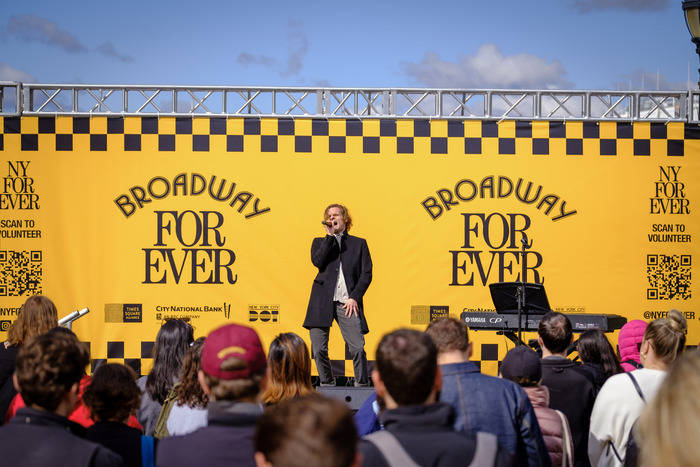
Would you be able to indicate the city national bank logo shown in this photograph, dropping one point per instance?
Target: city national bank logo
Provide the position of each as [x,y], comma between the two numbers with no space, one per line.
[18,188]
[424,314]
[190,246]
[225,309]
[263,313]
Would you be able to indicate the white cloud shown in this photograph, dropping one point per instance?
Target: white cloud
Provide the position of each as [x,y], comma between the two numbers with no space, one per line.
[245,58]
[31,28]
[7,73]
[297,49]
[488,68]
[108,49]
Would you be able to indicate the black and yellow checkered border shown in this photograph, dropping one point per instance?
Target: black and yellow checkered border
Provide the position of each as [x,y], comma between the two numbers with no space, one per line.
[488,359]
[117,354]
[346,136]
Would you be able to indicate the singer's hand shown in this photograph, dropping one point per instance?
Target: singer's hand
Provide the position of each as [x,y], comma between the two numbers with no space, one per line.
[351,308]
[328,227]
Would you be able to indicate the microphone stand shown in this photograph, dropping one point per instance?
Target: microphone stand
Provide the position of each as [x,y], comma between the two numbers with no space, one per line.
[67,321]
[521,289]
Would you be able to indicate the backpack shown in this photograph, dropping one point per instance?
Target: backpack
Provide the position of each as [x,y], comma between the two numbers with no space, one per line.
[161,429]
[396,455]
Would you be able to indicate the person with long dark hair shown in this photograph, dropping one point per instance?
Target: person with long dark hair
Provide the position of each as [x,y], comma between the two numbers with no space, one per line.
[189,411]
[289,369]
[598,356]
[37,315]
[172,342]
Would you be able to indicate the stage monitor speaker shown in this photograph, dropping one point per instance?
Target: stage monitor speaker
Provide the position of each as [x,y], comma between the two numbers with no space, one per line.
[352,396]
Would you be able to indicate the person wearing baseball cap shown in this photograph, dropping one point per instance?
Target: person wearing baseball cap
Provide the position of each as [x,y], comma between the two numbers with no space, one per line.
[233,375]
[522,365]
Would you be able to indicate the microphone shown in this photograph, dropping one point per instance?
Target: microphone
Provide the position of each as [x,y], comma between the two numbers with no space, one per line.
[67,321]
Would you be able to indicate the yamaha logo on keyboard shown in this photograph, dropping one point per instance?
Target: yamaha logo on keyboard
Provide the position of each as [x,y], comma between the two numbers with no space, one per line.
[474,319]
[481,319]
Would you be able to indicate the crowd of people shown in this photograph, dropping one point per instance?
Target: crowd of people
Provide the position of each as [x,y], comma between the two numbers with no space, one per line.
[222,399]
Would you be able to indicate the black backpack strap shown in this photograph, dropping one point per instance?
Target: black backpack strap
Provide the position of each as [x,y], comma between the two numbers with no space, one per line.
[391,449]
[636,386]
[634,363]
[631,444]
[617,454]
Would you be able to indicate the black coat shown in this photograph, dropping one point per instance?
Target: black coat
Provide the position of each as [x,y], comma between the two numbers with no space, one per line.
[40,438]
[327,256]
[120,439]
[425,432]
[571,391]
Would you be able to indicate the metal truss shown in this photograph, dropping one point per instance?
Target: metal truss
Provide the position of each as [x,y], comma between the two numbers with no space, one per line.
[233,101]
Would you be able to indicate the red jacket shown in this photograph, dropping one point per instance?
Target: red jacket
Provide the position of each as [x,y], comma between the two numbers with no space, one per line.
[80,413]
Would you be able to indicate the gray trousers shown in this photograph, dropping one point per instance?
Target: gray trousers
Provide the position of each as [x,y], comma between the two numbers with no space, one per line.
[352,334]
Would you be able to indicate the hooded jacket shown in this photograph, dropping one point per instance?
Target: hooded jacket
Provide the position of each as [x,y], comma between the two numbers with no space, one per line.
[630,337]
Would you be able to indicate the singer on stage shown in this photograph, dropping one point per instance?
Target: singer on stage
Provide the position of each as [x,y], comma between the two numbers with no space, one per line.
[344,274]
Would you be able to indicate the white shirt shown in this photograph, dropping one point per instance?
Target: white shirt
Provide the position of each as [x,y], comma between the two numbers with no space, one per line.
[616,408]
[183,419]
[341,290]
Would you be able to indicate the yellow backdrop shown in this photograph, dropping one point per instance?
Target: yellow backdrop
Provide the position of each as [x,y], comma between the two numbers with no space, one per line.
[145,219]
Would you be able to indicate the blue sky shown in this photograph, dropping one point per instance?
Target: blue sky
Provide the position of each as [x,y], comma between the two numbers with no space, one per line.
[536,44]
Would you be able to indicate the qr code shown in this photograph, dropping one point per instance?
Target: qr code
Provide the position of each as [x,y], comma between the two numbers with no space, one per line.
[21,273]
[669,277]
